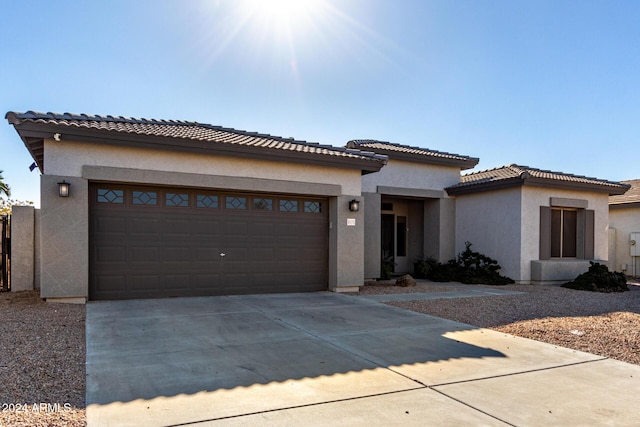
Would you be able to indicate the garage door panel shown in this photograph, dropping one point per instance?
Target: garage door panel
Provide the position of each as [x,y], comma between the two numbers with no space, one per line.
[144,255]
[111,225]
[177,227]
[111,283]
[177,281]
[176,254]
[158,242]
[144,282]
[110,254]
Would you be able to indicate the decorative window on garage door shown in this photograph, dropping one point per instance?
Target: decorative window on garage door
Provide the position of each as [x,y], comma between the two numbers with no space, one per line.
[177,199]
[207,201]
[148,198]
[312,207]
[106,195]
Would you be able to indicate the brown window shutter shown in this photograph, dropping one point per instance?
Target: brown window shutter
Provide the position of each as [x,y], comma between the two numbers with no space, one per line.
[589,234]
[545,232]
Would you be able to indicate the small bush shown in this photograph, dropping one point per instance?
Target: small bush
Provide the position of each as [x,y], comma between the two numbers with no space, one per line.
[469,267]
[386,266]
[599,279]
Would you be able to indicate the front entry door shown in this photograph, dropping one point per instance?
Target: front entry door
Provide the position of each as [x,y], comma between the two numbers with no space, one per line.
[394,238]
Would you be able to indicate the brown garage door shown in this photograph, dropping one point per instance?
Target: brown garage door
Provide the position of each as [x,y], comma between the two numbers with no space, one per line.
[149,242]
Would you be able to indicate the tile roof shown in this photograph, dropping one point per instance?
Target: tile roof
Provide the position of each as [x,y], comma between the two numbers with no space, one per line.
[414,153]
[514,175]
[630,197]
[202,134]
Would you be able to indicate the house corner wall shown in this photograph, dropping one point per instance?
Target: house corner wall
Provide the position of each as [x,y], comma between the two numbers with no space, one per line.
[346,245]
[372,246]
[64,239]
[23,250]
[440,229]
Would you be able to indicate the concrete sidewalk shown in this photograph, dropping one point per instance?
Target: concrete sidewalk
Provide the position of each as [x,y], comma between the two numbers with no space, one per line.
[329,359]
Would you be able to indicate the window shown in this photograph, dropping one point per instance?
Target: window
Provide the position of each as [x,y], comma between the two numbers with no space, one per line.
[401,236]
[149,198]
[564,223]
[567,232]
[106,195]
[312,207]
[177,199]
[205,201]
[233,202]
[262,204]
[288,205]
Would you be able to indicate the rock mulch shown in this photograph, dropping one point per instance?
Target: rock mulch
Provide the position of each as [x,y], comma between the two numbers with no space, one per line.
[42,362]
[604,324]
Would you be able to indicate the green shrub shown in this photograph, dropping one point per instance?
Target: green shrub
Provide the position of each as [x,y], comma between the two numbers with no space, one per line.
[386,266]
[599,279]
[468,267]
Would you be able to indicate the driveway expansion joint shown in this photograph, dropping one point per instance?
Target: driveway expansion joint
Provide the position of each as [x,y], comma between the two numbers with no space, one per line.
[550,368]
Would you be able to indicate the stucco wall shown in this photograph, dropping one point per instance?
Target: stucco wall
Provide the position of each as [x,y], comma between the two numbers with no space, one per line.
[624,221]
[491,222]
[65,221]
[505,225]
[64,239]
[22,248]
[66,158]
[534,197]
[399,173]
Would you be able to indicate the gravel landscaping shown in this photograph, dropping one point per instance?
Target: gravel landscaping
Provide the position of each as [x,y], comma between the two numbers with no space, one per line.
[606,324]
[42,346]
[42,362]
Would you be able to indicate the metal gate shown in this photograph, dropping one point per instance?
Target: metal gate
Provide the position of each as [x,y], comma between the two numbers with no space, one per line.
[5,253]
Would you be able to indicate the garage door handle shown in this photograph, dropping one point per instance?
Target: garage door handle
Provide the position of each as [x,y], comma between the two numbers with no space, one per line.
[223,254]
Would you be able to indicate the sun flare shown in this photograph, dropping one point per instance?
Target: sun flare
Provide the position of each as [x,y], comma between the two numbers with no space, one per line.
[284,12]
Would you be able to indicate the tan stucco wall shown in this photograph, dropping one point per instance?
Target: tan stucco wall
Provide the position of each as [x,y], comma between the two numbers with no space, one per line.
[66,158]
[23,248]
[491,222]
[505,225]
[534,197]
[64,239]
[624,221]
[65,221]
[399,173]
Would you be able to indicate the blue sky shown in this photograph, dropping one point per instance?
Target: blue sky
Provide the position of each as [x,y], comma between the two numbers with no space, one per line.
[548,84]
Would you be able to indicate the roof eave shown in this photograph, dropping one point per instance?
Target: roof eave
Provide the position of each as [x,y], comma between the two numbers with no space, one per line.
[33,135]
[629,205]
[463,164]
[536,182]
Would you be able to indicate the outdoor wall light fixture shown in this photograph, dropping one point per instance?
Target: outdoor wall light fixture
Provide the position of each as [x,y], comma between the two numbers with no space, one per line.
[63,189]
[354,205]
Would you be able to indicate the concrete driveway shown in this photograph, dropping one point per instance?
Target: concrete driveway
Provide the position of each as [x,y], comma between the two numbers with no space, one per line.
[329,359]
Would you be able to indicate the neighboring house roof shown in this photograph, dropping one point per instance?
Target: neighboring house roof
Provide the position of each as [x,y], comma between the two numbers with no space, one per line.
[516,175]
[414,154]
[34,128]
[630,199]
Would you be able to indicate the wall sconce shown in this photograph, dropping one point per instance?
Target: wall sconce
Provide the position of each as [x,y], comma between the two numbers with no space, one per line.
[63,189]
[354,205]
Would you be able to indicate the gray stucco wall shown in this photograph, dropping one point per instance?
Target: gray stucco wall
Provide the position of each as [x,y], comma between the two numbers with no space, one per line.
[439,229]
[64,239]
[625,221]
[65,221]
[491,221]
[22,248]
[372,242]
[346,244]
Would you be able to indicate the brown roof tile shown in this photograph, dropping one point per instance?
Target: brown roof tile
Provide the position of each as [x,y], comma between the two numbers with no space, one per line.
[194,132]
[414,153]
[514,175]
[630,197]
